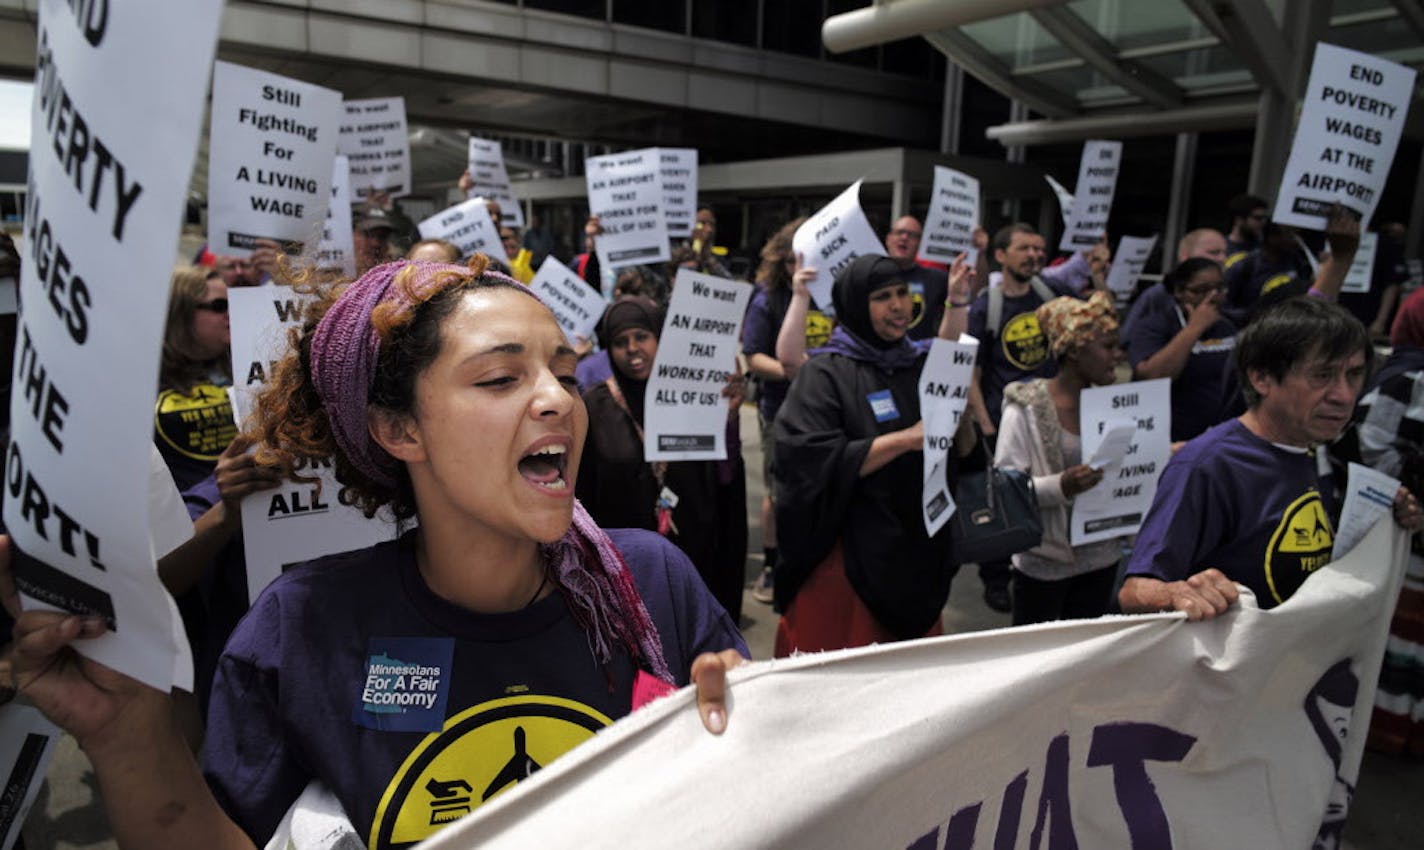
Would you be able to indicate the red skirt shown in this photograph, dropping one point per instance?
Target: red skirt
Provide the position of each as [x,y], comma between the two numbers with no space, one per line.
[827,614]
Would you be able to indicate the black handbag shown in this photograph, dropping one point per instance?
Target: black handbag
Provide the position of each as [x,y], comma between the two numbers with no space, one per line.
[996,514]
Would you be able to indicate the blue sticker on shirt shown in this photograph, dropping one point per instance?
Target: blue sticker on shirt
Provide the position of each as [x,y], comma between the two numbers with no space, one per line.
[405,685]
[882,404]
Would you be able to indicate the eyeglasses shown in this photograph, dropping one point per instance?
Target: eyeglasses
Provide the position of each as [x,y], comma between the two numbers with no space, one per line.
[217,305]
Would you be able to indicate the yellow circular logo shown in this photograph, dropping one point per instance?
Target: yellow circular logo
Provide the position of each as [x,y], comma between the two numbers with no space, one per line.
[197,425]
[1275,281]
[1025,346]
[917,304]
[818,329]
[1300,545]
[478,754]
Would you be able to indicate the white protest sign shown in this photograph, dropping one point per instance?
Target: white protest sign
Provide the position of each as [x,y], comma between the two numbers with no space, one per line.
[1116,506]
[1114,445]
[1369,498]
[491,180]
[678,171]
[1110,733]
[952,216]
[469,226]
[1346,137]
[337,249]
[1065,198]
[1362,268]
[944,390]
[1092,199]
[269,163]
[373,136]
[27,742]
[685,417]
[829,240]
[295,521]
[576,305]
[1128,263]
[107,192]
[625,192]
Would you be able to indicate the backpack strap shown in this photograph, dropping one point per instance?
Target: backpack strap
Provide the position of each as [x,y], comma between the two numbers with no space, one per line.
[996,311]
[1041,289]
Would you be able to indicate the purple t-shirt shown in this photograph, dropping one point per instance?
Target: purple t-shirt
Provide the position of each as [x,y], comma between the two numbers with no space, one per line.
[1018,349]
[1197,391]
[1247,507]
[759,332]
[412,710]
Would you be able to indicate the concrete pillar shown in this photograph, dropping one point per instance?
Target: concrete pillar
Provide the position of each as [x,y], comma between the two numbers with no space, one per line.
[952,116]
[1184,162]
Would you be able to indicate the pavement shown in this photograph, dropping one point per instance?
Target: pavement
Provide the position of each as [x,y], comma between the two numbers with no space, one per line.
[1386,813]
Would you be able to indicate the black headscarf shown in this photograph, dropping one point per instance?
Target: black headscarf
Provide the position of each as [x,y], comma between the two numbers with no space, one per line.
[854,336]
[629,311]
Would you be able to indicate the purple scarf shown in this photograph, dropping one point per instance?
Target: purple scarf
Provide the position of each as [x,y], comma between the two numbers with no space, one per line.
[903,355]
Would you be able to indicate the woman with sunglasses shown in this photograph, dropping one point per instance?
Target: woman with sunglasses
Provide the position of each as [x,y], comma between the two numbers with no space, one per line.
[422,676]
[193,417]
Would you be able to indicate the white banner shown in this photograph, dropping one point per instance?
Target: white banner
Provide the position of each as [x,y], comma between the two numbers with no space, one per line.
[337,249]
[1092,197]
[1145,732]
[953,214]
[1128,263]
[625,191]
[374,138]
[686,413]
[1116,506]
[107,193]
[944,391]
[294,521]
[491,180]
[269,159]
[678,172]
[1362,269]
[1065,198]
[1346,137]
[27,742]
[469,226]
[829,240]
[576,305]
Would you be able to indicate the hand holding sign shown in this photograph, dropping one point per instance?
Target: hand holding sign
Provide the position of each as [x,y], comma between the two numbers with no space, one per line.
[830,239]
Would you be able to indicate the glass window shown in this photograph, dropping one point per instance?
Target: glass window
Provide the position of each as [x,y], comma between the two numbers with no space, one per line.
[1131,23]
[597,9]
[1017,40]
[734,21]
[665,15]
[792,26]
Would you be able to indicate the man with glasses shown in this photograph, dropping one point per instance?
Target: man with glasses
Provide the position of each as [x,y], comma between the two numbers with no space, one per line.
[929,287]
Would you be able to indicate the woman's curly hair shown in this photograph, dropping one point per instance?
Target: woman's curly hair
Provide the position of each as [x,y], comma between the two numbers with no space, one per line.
[289,422]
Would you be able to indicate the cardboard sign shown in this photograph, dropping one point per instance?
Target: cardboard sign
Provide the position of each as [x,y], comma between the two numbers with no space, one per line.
[269,166]
[374,138]
[952,217]
[469,226]
[944,391]
[337,249]
[576,305]
[295,521]
[491,180]
[686,414]
[678,172]
[107,192]
[1362,268]
[1346,138]
[1092,199]
[1127,265]
[1117,505]
[625,192]
[829,240]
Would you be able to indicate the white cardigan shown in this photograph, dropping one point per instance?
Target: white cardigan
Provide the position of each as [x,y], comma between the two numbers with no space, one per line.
[1029,421]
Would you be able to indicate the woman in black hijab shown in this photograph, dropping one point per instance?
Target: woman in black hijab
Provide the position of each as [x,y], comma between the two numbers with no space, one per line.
[698,505]
[856,564]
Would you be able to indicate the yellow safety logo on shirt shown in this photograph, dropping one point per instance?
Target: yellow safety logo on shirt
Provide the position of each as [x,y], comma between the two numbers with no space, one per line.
[1234,259]
[480,753]
[1025,346]
[1300,545]
[1275,281]
[917,304]
[818,329]
[197,425]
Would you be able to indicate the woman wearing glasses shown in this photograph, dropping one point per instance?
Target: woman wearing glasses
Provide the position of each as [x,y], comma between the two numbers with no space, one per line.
[193,418]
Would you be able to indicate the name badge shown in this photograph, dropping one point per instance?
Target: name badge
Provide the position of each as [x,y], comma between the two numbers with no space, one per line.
[882,404]
[405,684]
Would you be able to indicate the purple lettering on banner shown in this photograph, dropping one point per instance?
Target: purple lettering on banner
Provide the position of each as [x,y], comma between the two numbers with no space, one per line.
[960,834]
[1008,832]
[1127,747]
[1055,795]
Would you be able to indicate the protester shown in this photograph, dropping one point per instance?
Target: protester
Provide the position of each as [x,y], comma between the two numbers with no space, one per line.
[706,254]
[1039,434]
[434,251]
[538,240]
[1249,215]
[1388,274]
[192,416]
[1187,340]
[1203,243]
[857,566]
[518,255]
[1277,269]
[699,505]
[1390,423]
[1243,501]
[371,237]
[929,287]
[409,378]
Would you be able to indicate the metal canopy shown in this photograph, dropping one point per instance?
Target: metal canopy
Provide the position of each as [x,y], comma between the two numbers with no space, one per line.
[1132,67]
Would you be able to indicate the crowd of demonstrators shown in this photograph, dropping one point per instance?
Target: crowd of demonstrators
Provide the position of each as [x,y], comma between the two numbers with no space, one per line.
[698,505]
[1039,434]
[409,377]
